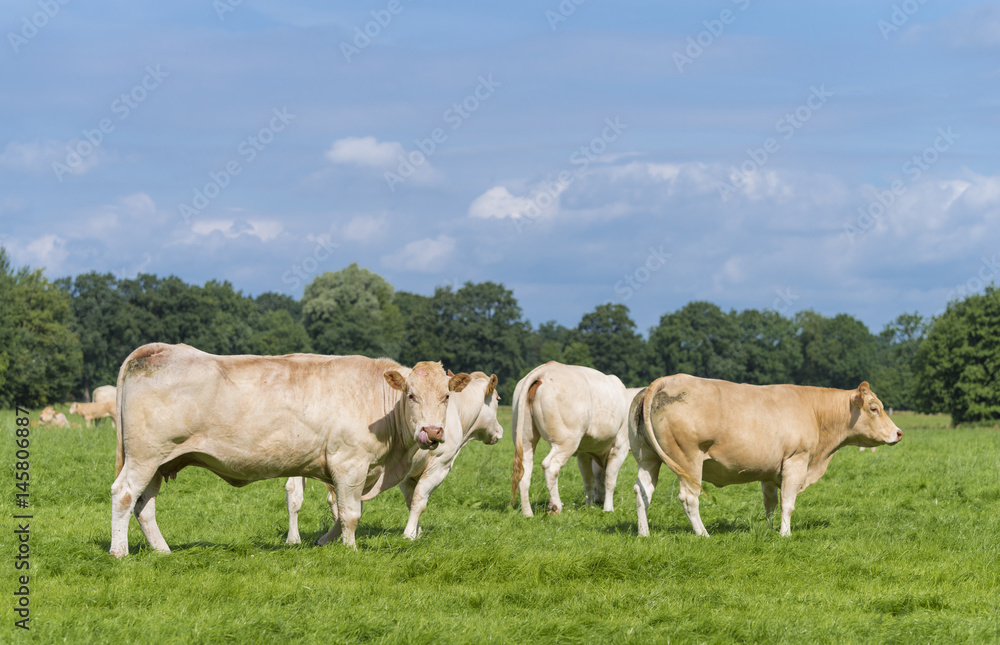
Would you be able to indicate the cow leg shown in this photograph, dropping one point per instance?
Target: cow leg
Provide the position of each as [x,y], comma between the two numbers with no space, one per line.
[331,501]
[689,498]
[427,484]
[551,466]
[528,462]
[614,465]
[587,465]
[600,483]
[294,493]
[145,512]
[770,490]
[793,476]
[125,493]
[348,487]
[645,484]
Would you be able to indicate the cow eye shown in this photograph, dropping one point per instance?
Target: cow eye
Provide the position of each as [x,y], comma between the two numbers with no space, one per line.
[874,409]
[413,397]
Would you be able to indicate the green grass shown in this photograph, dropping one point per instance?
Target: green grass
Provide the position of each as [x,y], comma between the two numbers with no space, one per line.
[897,546]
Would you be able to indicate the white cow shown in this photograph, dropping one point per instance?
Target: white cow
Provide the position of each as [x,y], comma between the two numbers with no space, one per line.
[579,411]
[472,414]
[92,411]
[350,421]
[103,393]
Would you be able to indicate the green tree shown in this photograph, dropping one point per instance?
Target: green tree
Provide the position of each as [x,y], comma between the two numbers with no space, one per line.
[770,345]
[616,348]
[100,319]
[837,352]
[699,339]
[270,301]
[477,327]
[958,364]
[40,355]
[893,377]
[351,311]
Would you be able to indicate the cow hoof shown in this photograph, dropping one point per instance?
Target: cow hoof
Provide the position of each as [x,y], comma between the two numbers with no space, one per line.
[554,510]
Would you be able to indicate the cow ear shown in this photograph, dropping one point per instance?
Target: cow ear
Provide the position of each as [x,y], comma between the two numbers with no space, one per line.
[858,398]
[492,386]
[458,382]
[395,380]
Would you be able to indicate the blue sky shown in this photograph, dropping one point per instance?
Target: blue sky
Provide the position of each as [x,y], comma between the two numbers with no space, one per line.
[835,156]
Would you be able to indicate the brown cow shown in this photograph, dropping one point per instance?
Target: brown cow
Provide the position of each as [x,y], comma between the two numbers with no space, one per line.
[730,433]
[350,421]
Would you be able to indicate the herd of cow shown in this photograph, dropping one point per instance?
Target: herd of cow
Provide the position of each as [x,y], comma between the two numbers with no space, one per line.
[102,405]
[363,426]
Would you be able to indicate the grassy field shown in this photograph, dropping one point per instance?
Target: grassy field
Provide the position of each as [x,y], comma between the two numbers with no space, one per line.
[897,546]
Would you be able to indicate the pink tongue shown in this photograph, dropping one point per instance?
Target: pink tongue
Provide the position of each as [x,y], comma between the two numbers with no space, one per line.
[424,439]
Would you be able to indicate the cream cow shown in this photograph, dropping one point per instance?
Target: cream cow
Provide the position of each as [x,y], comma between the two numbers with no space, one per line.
[472,414]
[349,421]
[579,411]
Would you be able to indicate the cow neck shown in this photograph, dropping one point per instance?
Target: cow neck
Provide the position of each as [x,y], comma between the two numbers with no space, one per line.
[833,418]
[469,407]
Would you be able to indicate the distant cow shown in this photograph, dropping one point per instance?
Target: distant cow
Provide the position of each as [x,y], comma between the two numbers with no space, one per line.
[350,421]
[91,411]
[472,414]
[729,433]
[48,416]
[103,393]
[579,411]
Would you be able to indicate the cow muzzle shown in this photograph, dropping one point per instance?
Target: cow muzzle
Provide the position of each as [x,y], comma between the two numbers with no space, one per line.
[430,436]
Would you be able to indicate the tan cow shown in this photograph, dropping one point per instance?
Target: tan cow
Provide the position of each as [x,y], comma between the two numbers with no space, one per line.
[350,421]
[729,433]
[472,414]
[48,416]
[103,393]
[91,411]
[579,411]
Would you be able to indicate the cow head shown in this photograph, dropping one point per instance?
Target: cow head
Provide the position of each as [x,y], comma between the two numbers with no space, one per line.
[426,391]
[484,400]
[870,424]
[47,414]
[73,408]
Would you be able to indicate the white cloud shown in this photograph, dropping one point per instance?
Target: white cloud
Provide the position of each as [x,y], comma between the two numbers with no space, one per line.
[498,202]
[365,151]
[262,229]
[364,228]
[424,256]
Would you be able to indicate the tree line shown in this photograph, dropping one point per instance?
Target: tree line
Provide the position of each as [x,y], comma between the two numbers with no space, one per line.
[60,339]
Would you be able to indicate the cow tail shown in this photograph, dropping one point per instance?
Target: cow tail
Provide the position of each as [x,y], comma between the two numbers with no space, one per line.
[647,404]
[119,408]
[522,423]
